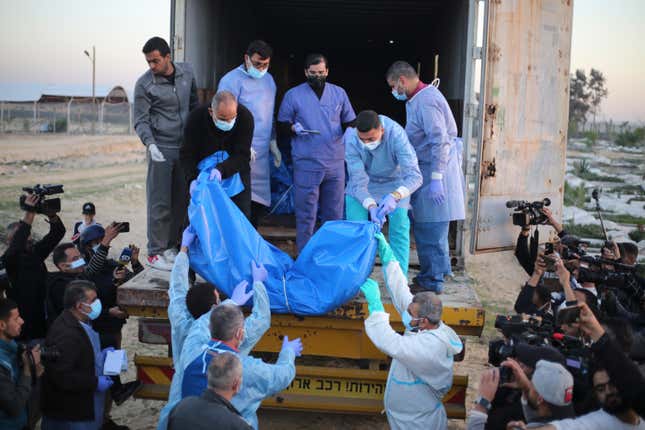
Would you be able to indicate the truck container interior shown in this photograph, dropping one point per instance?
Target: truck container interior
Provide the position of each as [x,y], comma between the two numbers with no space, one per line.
[360,38]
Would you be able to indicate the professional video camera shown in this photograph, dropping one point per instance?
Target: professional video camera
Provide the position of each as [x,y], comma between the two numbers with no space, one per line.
[47,355]
[528,213]
[43,206]
[517,329]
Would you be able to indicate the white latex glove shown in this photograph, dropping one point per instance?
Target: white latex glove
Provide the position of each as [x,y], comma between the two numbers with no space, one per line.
[277,155]
[155,153]
[253,155]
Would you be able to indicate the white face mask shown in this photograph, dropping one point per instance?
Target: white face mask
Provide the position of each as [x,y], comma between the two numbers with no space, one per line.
[77,263]
[372,145]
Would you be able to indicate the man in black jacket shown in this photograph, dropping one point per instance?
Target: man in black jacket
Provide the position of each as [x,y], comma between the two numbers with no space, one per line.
[225,126]
[25,263]
[73,388]
[213,409]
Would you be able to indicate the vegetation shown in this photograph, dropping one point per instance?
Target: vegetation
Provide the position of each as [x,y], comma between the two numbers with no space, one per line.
[629,189]
[588,231]
[626,219]
[637,235]
[631,138]
[582,169]
[575,196]
[585,95]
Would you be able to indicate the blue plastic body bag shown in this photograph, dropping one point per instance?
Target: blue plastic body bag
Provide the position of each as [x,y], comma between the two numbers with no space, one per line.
[327,274]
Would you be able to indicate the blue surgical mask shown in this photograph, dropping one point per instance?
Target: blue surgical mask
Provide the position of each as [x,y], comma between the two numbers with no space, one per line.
[96,309]
[372,145]
[255,73]
[225,125]
[95,248]
[398,96]
[76,264]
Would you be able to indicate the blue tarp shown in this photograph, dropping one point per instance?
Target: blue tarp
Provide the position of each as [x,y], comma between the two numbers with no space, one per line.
[327,274]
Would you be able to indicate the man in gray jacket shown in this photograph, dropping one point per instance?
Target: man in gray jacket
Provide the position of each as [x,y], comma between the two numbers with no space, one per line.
[163,97]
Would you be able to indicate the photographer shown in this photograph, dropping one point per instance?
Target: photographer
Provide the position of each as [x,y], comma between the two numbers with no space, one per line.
[73,391]
[16,379]
[535,297]
[25,263]
[526,252]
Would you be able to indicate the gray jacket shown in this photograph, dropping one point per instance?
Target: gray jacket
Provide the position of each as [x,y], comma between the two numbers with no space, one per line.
[161,109]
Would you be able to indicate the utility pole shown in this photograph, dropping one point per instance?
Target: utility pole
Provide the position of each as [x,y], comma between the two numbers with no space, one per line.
[93,60]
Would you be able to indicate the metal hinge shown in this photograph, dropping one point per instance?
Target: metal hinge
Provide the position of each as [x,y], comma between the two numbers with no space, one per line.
[477,52]
[489,169]
[178,42]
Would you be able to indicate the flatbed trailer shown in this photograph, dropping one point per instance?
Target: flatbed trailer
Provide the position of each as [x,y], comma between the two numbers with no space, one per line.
[340,371]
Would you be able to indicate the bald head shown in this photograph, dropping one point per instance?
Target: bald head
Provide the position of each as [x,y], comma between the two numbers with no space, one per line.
[223,106]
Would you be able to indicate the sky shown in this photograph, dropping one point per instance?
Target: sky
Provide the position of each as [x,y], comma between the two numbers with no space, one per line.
[42,42]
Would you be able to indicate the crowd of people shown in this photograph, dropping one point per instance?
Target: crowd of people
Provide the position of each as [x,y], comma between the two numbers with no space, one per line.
[565,361]
[57,326]
[571,356]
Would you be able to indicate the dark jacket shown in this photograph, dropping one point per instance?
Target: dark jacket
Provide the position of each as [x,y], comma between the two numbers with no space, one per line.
[69,382]
[56,284]
[15,388]
[28,275]
[202,138]
[161,107]
[209,411]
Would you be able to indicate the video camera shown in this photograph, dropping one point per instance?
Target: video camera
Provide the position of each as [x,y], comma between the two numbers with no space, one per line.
[47,355]
[517,329]
[528,213]
[43,206]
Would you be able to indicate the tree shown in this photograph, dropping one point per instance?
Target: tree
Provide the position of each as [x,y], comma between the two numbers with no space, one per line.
[579,100]
[597,91]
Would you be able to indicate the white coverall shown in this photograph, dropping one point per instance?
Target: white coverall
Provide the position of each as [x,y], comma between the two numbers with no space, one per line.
[421,370]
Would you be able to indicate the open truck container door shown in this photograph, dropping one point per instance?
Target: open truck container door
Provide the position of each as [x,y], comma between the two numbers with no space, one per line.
[524,115]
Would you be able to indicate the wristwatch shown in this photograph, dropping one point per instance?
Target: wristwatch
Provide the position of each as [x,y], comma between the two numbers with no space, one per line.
[397,196]
[483,403]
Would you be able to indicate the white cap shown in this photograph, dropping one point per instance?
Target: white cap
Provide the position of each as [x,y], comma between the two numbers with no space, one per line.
[553,382]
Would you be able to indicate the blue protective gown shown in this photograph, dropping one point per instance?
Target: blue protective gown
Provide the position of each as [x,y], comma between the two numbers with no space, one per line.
[258,96]
[432,131]
[391,166]
[190,336]
[318,159]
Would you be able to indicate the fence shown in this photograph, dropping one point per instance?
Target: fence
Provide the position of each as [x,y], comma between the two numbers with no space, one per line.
[71,117]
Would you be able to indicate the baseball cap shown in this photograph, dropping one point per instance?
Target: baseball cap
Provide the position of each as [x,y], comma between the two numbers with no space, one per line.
[553,382]
[529,355]
[89,209]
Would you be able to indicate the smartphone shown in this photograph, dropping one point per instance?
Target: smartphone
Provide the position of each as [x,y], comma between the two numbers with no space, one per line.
[548,248]
[568,315]
[124,227]
[505,375]
[125,257]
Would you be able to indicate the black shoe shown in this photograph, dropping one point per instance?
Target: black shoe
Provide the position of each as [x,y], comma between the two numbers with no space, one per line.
[111,425]
[125,392]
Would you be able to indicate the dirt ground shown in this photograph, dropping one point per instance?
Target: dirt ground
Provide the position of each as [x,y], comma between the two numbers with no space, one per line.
[110,171]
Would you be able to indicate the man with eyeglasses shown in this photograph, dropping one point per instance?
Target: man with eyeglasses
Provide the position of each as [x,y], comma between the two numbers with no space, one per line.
[253,86]
[315,115]
[422,358]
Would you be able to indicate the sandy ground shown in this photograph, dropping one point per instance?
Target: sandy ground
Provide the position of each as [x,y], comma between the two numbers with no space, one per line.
[110,171]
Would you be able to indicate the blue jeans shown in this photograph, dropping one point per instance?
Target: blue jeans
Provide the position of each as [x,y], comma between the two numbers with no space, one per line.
[434,254]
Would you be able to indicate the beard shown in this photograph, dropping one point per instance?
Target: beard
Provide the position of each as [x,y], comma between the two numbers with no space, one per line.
[614,404]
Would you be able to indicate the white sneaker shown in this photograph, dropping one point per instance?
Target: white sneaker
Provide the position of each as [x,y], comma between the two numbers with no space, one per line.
[169,255]
[159,262]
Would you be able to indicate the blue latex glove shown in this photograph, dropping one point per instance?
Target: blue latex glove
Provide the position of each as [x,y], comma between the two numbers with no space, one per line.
[384,250]
[240,296]
[105,382]
[258,272]
[374,216]
[372,296]
[386,206]
[299,129]
[188,237]
[103,353]
[193,185]
[294,345]
[435,191]
[215,174]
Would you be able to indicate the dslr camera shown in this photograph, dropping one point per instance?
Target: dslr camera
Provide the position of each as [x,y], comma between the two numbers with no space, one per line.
[528,213]
[43,206]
